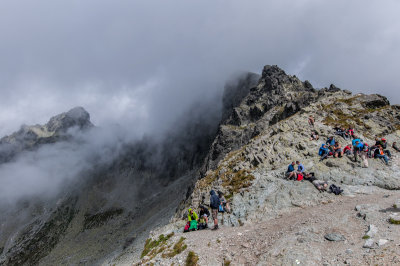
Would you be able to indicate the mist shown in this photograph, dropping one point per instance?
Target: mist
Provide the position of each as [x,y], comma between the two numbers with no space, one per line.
[140,65]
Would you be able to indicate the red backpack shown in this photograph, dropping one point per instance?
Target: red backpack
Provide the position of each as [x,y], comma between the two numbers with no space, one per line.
[187,226]
[300,177]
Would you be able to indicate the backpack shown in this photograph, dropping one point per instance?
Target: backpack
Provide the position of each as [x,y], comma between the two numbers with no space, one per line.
[300,177]
[221,208]
[336,190]
[187,226]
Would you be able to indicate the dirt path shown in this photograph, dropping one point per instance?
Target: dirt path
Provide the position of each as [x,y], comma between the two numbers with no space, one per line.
[297,238]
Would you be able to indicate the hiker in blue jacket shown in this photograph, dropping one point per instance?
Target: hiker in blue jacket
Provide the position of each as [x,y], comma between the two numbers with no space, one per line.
[291,173]
[357,148]
[300,168]
[323,152]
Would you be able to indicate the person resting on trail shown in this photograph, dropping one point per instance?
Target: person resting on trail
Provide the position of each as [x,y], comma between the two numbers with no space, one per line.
[311,120]
[337,148]
[192,218]
[384,146]
[323,152]
[314,135]
[342,132]
[224,205]
[204,214]
[319,184]
[395,147]
[350,132]
[348,149]
[291,173]
[330,141]
[300,168]
[382,155]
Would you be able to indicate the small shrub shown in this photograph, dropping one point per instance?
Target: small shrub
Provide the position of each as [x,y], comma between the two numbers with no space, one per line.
[227,262]
[192,259]
[393,221]
[366,237]
[177,249]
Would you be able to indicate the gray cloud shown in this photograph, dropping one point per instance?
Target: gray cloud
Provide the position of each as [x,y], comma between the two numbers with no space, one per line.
[145,61]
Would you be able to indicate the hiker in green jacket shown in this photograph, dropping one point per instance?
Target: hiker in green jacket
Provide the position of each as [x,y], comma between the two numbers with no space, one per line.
[192,218]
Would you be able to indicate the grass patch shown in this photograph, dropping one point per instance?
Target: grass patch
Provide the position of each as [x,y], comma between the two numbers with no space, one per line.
[393,221]
[240,222]
[150,247]
[177,249]
[191,259]
[366,237]
[227,262]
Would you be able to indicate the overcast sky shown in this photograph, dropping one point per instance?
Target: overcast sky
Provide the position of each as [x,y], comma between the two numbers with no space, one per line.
[143,62]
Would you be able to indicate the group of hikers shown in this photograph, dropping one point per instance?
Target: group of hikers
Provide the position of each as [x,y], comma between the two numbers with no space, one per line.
[357,148]
[218,204]
[332,147]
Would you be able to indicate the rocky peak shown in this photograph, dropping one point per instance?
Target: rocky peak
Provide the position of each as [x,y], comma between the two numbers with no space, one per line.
[29,137]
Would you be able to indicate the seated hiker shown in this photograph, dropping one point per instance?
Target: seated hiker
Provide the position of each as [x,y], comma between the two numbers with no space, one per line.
[337,148]
[319,184]
[192,218]
[323,152]
[300,167]
[224,205]
[348,149]
[311,120]
[291,173]
[330,141]
[203,219]
[342,132]
[381,154]
[395,147]
[314,135]
[384,146]
[350,132]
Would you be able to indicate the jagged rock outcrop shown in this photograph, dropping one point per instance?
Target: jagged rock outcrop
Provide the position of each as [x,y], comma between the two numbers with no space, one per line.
[30,137]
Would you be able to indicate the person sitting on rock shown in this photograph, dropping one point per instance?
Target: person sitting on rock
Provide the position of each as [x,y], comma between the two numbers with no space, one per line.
[342,132]
[204,214]
[337,149]
[311,120]
[300,168]
[314,135]
[323,152]
[348,149]
[223,203]
[291,173]
[330,141]
[395,147]
[384,146]
[350,132]
[382,155]
[319,184]
[192,218]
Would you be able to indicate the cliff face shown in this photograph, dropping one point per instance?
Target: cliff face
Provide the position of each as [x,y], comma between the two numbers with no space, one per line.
[268,129]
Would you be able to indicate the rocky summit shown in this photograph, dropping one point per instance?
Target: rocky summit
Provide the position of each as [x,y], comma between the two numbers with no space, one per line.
[134,209]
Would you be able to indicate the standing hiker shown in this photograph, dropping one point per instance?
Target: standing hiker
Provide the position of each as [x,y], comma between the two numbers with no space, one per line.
[214,204]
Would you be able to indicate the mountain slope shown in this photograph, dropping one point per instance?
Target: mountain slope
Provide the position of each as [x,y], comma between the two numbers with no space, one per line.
[268,130]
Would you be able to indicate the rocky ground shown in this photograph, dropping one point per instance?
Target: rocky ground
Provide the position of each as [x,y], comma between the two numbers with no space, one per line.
[357,227]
